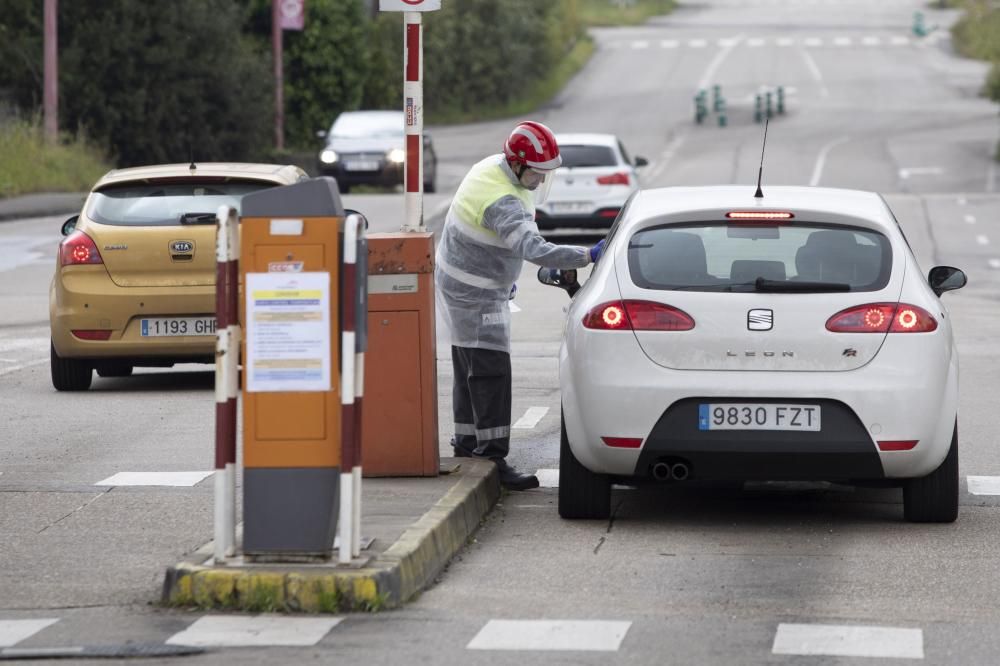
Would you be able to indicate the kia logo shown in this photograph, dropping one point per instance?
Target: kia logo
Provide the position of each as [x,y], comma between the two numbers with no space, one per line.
[183,246]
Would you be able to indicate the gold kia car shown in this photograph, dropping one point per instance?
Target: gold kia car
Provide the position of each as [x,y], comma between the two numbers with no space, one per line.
[135,274]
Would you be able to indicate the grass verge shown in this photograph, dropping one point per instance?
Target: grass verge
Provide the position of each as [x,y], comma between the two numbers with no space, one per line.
[622,12]
[29,164]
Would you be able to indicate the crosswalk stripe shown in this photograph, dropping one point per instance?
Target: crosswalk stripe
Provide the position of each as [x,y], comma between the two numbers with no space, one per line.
[258,630]
[13,632]
[531,417]
[155,479]
[848,641]
[558,635]
[548,478]
[983,485]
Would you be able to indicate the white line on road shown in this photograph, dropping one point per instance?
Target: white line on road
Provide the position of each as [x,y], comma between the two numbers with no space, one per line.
[531,417]
[669,43]
[899,41]
[261,630]
[984,485]
[981,239]
[697,43]
[548,478]
[582,635]
[755,42]
[871,41]
[821,160]
[848,641]
[994,263]
[14,631]
[640,44]
[665,157]
[970,219]
[812,41]
[706,78]
[906,172]
[842,41]
[814,70]
[961,201]
[785,41]
[727,41]
[154,479]
[7,371]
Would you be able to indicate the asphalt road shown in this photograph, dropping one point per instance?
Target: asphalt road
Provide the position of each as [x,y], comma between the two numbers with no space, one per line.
[680,574]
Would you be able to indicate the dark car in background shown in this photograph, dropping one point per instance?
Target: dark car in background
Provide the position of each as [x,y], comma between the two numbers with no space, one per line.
[369,148]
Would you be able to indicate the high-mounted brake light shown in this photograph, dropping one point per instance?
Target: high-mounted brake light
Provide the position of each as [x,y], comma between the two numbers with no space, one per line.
[752,215]
[620,178]
[637,316]
[882,318]
[78,248]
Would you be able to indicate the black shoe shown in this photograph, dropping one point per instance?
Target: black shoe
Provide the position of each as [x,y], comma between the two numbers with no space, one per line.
[461,453]
[511,479]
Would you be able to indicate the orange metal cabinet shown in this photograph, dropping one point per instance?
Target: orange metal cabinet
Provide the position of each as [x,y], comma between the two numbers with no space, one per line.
[399,419]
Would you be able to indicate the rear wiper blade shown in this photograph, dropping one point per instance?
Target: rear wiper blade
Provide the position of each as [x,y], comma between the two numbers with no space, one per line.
[198,218]
[763,284]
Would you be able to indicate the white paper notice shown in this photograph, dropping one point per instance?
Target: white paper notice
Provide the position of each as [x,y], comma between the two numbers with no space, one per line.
[288,332]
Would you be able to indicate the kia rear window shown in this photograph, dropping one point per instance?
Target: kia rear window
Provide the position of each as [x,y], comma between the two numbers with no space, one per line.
[165,204]
[587,156]
[798,257]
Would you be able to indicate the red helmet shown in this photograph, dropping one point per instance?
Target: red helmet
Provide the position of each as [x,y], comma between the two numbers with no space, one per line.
[534,145]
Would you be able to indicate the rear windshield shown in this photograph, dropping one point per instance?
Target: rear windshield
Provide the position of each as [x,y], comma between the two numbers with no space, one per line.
[794,257]
[152,204]
[368,126]
[587,156]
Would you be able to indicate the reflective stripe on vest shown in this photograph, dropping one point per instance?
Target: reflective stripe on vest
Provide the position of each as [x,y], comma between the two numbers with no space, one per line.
[487,182]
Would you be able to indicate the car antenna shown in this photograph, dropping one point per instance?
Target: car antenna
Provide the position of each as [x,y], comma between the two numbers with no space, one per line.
[760,172]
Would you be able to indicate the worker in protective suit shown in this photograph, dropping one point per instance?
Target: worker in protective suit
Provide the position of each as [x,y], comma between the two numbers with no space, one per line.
[488,233]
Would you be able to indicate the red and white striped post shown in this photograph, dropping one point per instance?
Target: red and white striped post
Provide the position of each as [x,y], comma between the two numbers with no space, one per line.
[413,101]
[227,346]
[350,464]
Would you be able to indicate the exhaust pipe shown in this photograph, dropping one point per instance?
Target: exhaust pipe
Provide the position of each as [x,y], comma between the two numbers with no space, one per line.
[661,471]
[680,471]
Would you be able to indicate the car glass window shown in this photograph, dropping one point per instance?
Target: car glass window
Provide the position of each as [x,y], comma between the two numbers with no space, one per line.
[790,257]
[587,156]
[155,204]
[368,126]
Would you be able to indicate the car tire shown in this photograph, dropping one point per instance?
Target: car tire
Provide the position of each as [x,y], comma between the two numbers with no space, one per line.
[114,370]
[934,498]
[582,493]
[69,374]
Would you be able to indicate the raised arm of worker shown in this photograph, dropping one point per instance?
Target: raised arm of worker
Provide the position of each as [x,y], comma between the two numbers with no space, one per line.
[510,221]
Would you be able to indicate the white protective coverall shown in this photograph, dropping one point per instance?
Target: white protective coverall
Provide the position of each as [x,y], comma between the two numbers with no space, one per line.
[488,233]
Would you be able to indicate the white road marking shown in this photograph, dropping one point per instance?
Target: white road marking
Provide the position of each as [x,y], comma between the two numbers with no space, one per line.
[177,479]
[727,41]
[981,239]
[697,43]
[709,73]
[848,641]
[984,485]
[531,417]
[641,44]
[821,160]
[814,70]
[669,43]
[899,41]
[812,41]
[755,42]
[665,157]
[259,630]
[785,41]
[906,172]
[13,632]
[842,41]
[994,263]
[580,635]
[548,478]
[961,201]
[871,41]
[7,371]
[970,219]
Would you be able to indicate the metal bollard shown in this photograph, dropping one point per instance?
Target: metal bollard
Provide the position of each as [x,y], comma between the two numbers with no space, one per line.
[758,114]
[723,121]
[770,112]
[781,100]
[716,97]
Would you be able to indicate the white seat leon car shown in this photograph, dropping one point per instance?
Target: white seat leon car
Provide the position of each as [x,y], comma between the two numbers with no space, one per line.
[790,337]
[595,180]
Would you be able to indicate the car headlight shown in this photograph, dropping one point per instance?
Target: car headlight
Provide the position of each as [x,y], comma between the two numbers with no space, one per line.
[328,157]
[397,155]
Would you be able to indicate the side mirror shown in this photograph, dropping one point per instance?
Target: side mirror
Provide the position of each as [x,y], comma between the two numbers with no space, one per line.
[69,225]
[564,279]
[946,278]
[641,161]
[320,134]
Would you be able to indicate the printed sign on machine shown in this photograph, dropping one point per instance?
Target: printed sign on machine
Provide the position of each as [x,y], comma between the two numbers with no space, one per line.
[288,332]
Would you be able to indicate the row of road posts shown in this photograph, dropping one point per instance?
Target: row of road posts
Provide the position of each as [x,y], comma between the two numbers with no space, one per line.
[766,105]
[295,254]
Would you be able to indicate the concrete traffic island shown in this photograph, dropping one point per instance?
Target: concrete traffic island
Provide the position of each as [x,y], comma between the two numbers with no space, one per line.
[417,526]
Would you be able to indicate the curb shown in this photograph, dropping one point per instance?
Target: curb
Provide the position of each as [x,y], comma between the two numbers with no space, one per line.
[41,205]
[396,576]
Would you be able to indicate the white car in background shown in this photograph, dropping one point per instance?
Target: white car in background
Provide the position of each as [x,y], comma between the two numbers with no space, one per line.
[595,180]
[790,337]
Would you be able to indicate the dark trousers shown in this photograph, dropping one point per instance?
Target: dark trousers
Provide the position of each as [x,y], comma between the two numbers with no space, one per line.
[481,402]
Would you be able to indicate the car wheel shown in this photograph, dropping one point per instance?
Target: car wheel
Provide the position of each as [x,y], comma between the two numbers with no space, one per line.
[582,493]
[114,370]
[934,498]
[69,374]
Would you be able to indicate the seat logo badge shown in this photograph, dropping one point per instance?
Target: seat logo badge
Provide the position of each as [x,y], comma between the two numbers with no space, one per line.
[850,352]
[181,246]
[760,320]
[116,246]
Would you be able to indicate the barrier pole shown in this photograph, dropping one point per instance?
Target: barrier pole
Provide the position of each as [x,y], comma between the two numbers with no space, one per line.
[360,346]
[347,378]
[227,344]
[413,101]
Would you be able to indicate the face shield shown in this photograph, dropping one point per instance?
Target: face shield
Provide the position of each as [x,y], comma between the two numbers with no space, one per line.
[538,181]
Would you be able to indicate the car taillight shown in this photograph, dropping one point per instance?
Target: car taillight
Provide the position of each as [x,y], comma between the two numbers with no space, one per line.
[637,316]
[78,248]
[608,212]
[92,334]
[623,442]
[620,178]
[882,318]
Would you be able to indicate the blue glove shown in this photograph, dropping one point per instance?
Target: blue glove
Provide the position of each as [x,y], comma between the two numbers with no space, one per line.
[596,251]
